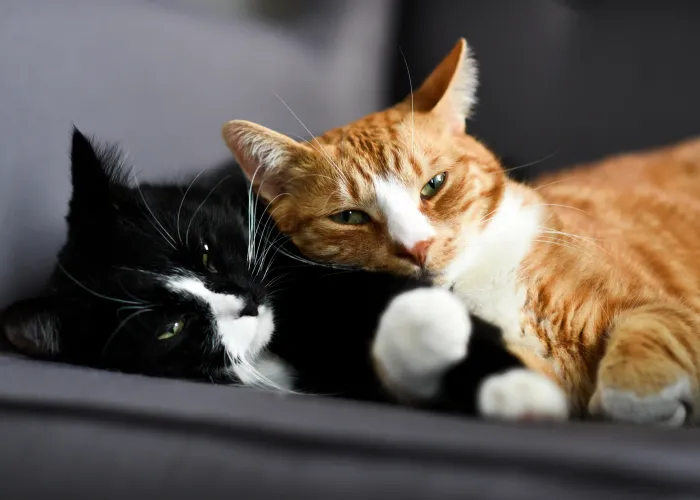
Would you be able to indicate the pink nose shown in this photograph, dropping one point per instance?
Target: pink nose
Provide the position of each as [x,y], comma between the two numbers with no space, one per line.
[418,253]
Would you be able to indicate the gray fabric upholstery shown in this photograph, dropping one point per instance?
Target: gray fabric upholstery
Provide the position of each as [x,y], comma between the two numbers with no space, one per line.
[565,81]
[161,76]
[84,435]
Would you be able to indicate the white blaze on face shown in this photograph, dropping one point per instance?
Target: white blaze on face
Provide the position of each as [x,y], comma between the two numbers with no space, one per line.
[407,225]
[243,337]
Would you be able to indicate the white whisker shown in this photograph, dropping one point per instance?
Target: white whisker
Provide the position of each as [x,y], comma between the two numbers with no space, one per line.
[182,202]
[96,294]
[413,119]
[155,222]
[187,233]
[121,325]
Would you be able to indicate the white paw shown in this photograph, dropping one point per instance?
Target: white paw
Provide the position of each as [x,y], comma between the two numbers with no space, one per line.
[521,394]
[421,335]
[663,408]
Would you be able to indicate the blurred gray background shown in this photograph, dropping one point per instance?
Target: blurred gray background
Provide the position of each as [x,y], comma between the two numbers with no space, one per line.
[562,81]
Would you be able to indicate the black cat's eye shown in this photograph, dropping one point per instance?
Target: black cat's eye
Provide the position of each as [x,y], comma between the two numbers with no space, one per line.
[174,329]
[206,260]
[433,186]
[350,217]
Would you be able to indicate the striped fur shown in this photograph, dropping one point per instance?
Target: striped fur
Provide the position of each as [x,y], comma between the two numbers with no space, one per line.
[592,274]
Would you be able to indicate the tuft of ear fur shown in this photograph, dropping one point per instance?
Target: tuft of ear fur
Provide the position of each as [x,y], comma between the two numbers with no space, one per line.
[95,166]
[263,154]
[450,91]
[32,326]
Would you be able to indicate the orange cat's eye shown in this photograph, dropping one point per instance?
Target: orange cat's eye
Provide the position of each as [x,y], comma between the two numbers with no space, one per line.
[350,217]
[433,186]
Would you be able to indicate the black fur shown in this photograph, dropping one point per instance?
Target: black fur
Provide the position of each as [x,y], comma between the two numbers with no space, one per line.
[106,305]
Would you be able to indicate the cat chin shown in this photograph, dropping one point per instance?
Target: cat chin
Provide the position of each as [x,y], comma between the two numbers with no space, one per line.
[245,338]
[267,371]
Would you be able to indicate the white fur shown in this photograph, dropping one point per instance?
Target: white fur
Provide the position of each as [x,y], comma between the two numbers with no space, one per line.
[466,84]
[485,272]
[405,222]
[664,408]
[243,337]
[521,394]
[421,335]
[272,369]
[253,142]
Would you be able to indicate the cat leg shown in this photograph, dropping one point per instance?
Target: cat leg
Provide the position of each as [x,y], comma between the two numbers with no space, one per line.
[527,392]
[421,336]
[428,351]
[649,373]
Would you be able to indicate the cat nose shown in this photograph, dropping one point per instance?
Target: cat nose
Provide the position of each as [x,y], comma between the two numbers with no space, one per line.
[418,253]
[250,308]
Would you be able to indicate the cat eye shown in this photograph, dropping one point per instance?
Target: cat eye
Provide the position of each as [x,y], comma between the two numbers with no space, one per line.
[433,186]
[174,329]
[350,217]
[206,261]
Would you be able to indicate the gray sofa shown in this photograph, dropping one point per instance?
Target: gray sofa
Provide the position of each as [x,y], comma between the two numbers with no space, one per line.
[562,81]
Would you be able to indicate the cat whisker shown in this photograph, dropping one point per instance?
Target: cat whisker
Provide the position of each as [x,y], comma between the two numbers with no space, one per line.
[155,222]
[97,294]
[554,182]
[319,148]
[562,244]
[267,228]
[187,233]
[261,379]
[182,202]
[562,206]
[550,155]
[587,239]
[413,119]
[121,325]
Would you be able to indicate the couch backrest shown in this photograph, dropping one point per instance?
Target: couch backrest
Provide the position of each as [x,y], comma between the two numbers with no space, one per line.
[571,80]
[161,77]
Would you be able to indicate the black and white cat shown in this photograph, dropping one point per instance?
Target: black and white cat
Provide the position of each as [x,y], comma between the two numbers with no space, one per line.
[187,281]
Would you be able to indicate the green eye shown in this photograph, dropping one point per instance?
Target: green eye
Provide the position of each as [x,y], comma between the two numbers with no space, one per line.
[433,186]
[205,260]
[350,217]
[174,329]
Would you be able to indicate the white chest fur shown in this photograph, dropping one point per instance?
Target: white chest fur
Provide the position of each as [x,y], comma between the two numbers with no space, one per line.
[485,274]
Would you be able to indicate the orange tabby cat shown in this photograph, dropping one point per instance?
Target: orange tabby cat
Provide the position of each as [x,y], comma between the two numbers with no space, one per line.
[593,274]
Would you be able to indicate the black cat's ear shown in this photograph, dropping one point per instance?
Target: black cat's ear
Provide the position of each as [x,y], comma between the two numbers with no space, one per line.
[90,180]
[33,326]
[96,170]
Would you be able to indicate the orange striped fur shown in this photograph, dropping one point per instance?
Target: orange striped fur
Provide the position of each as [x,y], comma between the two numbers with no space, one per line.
[593,273]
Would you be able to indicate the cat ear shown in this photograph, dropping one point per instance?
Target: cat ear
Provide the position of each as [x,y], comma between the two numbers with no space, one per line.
[450,91]
[87,172]
[32,326]
[263,154]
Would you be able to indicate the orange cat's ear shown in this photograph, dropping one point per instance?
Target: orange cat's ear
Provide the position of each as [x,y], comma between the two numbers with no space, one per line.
[263,154]
[450,91]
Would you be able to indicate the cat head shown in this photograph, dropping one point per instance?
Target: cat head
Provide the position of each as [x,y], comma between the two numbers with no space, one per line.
[400,189]
[152,279]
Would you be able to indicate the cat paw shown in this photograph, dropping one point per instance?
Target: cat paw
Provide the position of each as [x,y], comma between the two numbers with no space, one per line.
[521,394]
[668,406]
[421,335]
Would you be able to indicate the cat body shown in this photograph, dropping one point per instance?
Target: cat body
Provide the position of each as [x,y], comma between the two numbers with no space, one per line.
[591,275]
[194,281]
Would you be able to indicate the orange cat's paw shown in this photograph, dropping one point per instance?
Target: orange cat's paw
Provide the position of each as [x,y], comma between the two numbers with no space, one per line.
[641,401]
[521,394]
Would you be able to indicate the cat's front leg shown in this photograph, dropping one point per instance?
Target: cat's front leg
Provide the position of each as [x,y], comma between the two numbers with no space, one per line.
[649,373]
[428,351]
